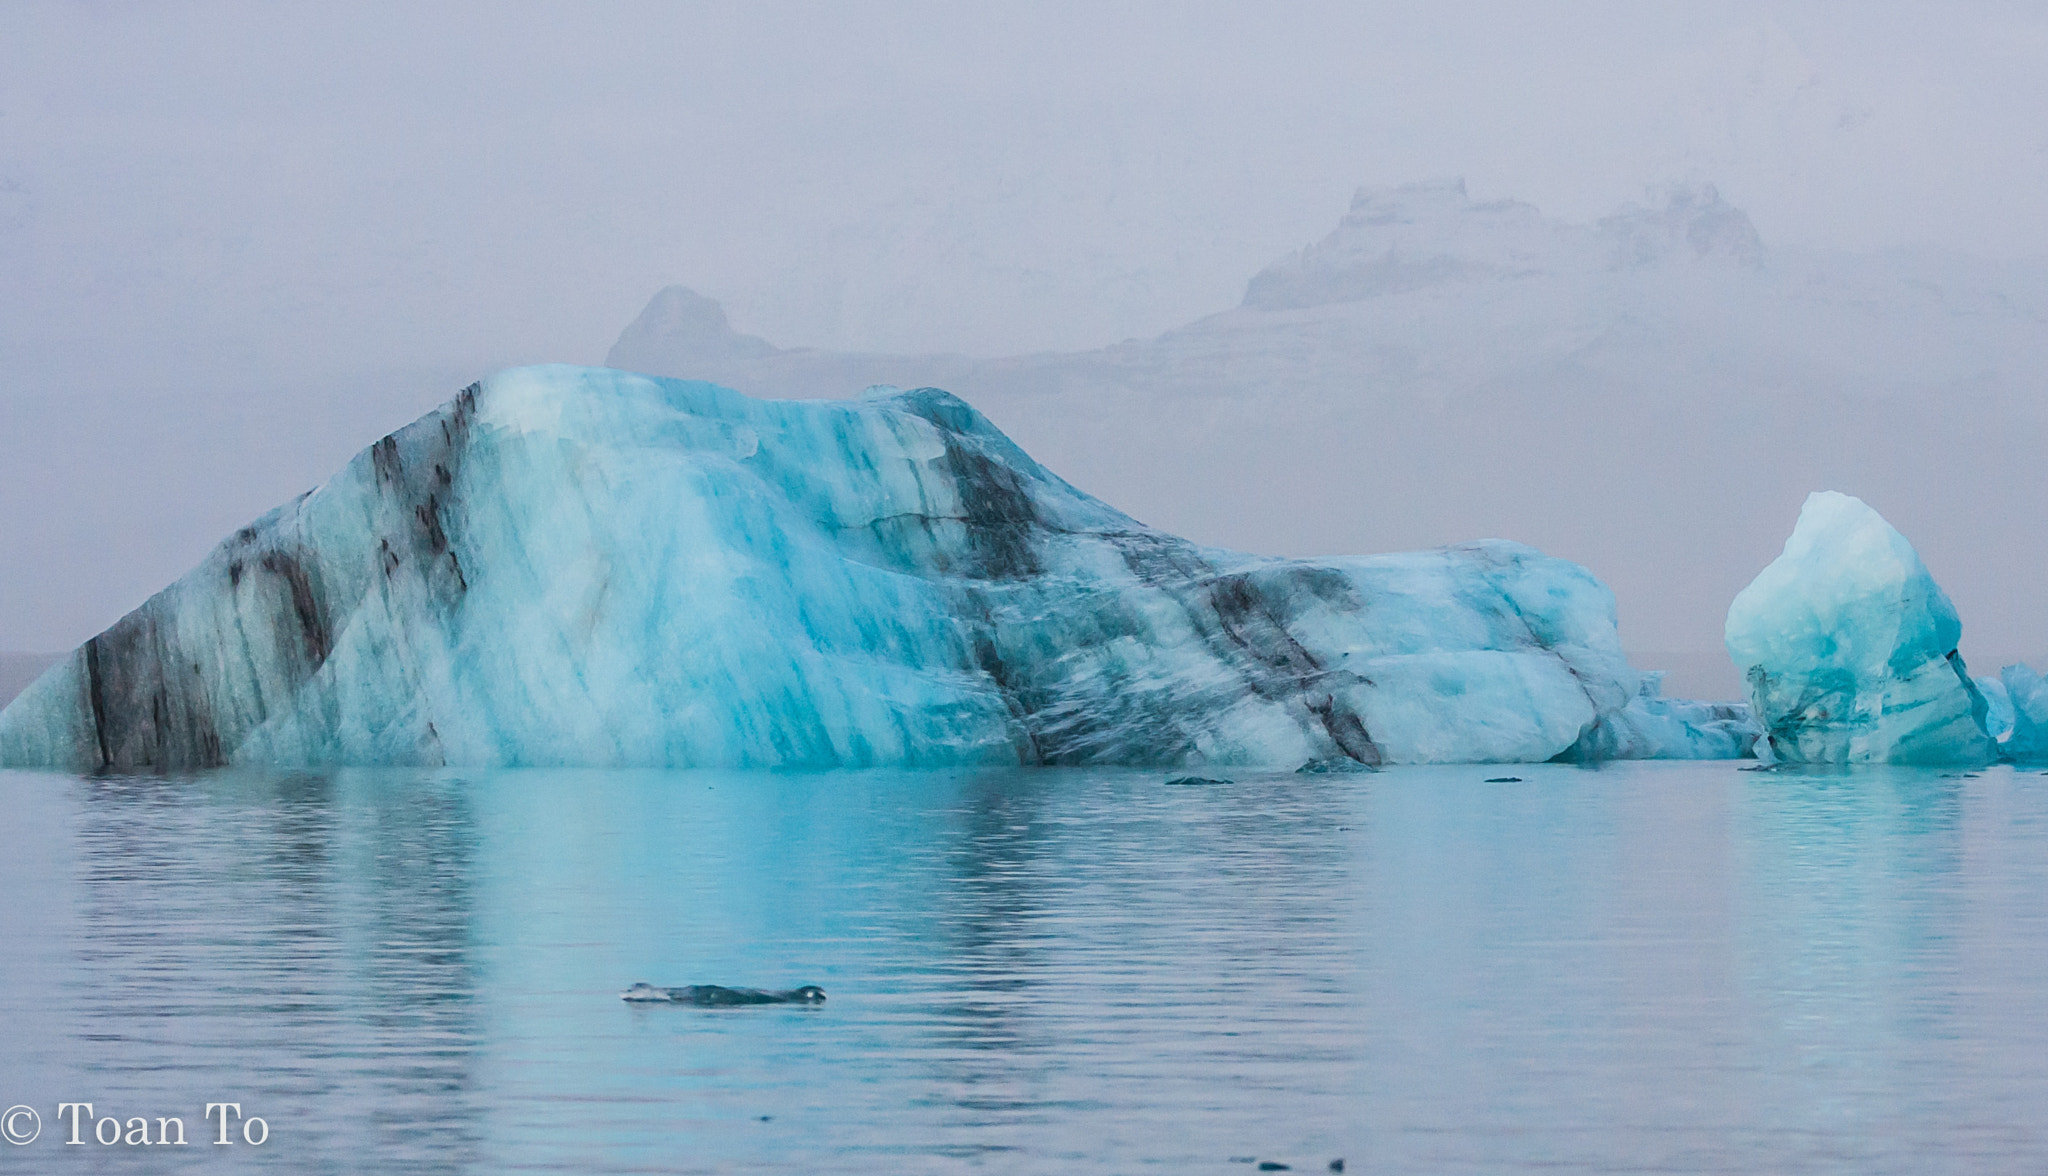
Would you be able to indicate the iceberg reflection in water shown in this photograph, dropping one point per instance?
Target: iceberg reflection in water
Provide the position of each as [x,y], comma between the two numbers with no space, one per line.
[1644,965]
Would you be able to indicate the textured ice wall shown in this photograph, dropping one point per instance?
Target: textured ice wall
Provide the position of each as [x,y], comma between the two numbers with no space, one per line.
[582,566]
[1850,648]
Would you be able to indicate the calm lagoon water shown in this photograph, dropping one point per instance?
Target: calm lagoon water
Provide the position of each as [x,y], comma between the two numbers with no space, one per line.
[1642,967]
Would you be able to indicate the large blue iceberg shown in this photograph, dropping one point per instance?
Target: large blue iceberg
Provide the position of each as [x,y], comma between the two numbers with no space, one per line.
[1850,648]
[570,566]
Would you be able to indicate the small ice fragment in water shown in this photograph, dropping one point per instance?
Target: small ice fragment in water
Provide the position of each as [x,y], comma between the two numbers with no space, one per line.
[719,996]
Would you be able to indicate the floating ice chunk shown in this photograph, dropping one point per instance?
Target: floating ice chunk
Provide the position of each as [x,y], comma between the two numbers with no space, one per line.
[1849,647]
[2027,695]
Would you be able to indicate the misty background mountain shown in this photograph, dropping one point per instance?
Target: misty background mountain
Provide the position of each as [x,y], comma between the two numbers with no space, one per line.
[1652,395]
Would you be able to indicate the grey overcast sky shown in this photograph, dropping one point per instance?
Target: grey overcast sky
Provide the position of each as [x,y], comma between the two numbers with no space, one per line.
[238,242]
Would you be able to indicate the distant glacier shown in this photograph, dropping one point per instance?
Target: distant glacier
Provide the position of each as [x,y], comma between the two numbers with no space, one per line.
[578,566]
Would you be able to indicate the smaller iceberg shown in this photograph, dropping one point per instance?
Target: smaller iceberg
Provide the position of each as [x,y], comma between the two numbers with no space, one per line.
[1849,647]
[2025,715]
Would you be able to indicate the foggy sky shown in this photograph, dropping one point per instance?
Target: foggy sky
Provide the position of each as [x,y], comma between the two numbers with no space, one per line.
[238,243]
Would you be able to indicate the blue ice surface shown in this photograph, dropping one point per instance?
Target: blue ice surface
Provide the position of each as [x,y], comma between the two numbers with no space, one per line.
[585,567]
[2026,697]
[1849,647]
[1999,719]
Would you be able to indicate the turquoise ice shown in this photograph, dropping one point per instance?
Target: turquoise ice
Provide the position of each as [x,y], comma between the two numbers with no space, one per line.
[2027,700]
[574,566]
[1849,647]
[1999,719]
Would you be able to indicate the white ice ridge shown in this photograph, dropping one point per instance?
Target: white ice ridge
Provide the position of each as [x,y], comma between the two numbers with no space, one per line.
[1850,648]
[577,566]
